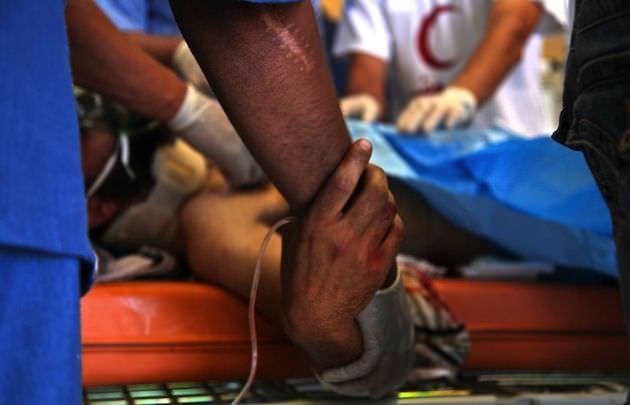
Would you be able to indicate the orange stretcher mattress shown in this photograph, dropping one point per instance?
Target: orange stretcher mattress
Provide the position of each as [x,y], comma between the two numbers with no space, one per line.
[176,331]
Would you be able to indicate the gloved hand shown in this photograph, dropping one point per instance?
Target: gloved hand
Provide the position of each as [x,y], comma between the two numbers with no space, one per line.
[361,106]
[202,122]
[453,106]
[179,171]
[185,64]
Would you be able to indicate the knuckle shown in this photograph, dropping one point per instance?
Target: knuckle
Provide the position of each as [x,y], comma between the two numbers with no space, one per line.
[338,246]
[341,184]
[391,202]
[391,199]
[390,214]
[379,174]
[378,181]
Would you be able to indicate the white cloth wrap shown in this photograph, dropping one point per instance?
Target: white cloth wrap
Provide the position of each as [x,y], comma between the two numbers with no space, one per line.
[388,348]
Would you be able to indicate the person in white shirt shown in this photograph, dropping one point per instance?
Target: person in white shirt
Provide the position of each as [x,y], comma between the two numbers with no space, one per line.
[455,62]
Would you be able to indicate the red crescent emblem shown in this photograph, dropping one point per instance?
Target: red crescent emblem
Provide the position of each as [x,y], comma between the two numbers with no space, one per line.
[423,38]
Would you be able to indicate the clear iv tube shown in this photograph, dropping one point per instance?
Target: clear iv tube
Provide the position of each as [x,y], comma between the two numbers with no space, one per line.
[252,308]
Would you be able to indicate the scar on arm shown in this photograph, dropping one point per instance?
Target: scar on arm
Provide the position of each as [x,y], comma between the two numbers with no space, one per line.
[292,40]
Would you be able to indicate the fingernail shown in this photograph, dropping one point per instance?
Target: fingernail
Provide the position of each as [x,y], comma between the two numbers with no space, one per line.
[364,145]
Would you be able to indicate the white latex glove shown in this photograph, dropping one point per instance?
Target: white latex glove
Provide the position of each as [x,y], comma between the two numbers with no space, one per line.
[179,171]
[186,66]
[202,122]
[453,106]
[361,106]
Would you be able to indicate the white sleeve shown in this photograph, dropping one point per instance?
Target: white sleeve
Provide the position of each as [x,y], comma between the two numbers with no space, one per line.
[363,29]
[555,16]
[388,352]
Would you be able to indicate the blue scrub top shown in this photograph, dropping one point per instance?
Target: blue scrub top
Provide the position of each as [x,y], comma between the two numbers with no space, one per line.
[148,16]
[42,204]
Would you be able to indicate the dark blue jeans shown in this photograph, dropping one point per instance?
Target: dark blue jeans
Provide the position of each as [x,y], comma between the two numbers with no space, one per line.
[596,112]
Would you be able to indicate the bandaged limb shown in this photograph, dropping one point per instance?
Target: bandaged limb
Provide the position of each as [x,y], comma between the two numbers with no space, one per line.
[388,348]
[214,226]
[179,171]
[223,234]
[202,122]
[409,333]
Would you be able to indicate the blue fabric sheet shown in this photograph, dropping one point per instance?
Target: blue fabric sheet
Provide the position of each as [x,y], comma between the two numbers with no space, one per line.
[534,198]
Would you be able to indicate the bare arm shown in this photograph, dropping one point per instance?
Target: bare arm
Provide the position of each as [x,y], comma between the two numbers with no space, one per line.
[160,47]
[367,75]
[510,24]
[265,64]
[104,61]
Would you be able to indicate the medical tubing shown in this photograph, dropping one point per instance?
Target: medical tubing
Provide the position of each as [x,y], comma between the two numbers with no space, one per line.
[252,307]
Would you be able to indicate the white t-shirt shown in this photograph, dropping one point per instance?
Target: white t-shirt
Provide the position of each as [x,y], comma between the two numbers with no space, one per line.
[427,44]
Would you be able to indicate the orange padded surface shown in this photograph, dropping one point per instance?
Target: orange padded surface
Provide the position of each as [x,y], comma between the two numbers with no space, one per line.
[540,327]
[174,331]
[155,331]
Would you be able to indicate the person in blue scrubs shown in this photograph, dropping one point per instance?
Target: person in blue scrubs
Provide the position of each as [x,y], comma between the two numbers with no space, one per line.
[43,240]
[44,248]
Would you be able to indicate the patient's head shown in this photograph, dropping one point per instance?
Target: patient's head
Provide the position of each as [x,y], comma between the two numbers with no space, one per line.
[116,191]
[108,134]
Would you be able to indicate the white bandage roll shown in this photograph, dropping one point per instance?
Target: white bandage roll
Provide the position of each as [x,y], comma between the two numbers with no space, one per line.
[388,348]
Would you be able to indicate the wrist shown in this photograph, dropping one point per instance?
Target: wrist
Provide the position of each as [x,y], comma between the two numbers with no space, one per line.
[188,111]
[466,91]
[328,346]
[172,101]
[464,94]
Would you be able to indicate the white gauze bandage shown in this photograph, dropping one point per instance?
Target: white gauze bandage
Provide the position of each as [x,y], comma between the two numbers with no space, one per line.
[388,348]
